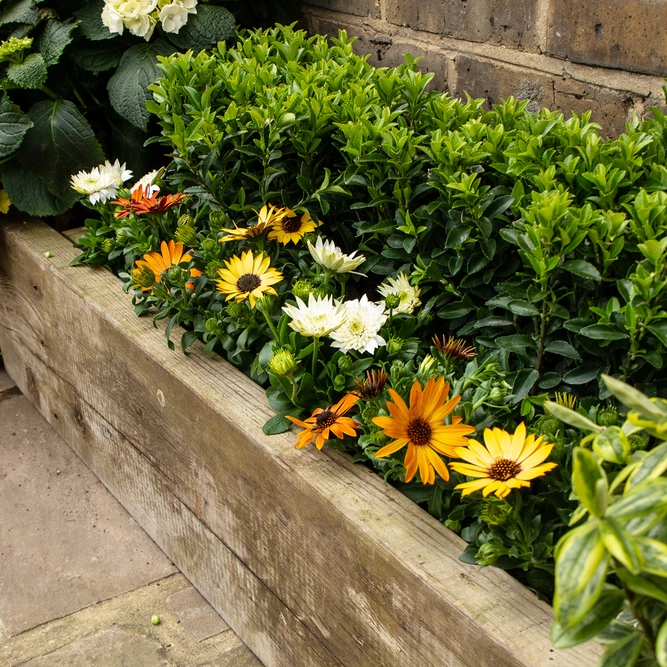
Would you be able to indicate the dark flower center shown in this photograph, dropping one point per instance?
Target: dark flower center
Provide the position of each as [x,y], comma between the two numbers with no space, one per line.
[325,419]
[291,225]
[504,469]
[248,282]
[419,431]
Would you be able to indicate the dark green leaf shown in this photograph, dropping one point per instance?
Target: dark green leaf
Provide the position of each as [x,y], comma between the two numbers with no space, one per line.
[563,348]
[13,126]
[454,310]
[549,380]
[21,11]
[522,307]
[457,236]
[59,144]
[31,73]
[90,21]
[582,269]
[581,375]
[603,332]
[515,343]
[659,330]
[210,25]
[277,424]
[524,382]
[29,193]
[128,87]
[54,38]
[96,56]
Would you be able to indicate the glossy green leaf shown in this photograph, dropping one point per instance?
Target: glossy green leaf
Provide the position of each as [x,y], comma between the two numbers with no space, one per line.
[612,445]
[595,621]
[581,268]
[624,652]
[581,375]
[621,545]
[568,416]
[649,496]
[589,481]
[653,465]
[654,556]
[525,380]
[644,584]
[661,645]
[562,348]
[604,332]
[581,570]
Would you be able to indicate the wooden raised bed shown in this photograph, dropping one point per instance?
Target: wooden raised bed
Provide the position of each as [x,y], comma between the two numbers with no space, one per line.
[310,559]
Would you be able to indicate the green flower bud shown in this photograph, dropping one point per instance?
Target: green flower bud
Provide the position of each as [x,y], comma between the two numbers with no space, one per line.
[186,234]
[496,512]
[186,220]
[638,441]
[122,235]
[547,426]
[211,324]
[218,217]
[302,288]
[155,620]
[265,304]
[345,364]
[144,277]
[209,245]
[107,245]
[212,269]
[174,274]
[487,555]
[282,363]
[607,416]
[378,437]
[497,394]
[392,301]
[394,345]
[426,364]
[236,310]
[339,382]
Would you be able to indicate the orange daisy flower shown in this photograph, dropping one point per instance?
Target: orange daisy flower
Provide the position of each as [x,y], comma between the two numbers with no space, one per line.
[159,262]
[139,203]
[323,423]
[421,427]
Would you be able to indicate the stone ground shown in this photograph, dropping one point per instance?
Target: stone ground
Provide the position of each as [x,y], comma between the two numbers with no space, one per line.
[79,579]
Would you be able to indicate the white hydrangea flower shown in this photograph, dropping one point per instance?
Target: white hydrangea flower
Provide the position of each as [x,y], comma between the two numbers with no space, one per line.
[147,182]
[112,19]
[141,26]
[408,294]
[331,257]
[102,182]
[319,318]
[360,329]
[174,17]
[135,15]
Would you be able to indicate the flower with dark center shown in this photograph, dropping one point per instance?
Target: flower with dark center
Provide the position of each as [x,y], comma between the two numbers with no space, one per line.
[455,348]
[372,385]
[323,423]
[422,428]
[505,461]
[158,262]
[141,203]
[292,228]
[248,277]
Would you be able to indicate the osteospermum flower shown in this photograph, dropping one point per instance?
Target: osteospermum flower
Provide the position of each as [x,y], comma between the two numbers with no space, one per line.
[359,331]
[401,287]
[171,254]
[319,318]
[248,277]
[147,183]
[101,183]
[323,423]
[506,462]
[331,257]
[455,348]
[140,202]
[422,428]
[291,227]
[267,217]
[372,385]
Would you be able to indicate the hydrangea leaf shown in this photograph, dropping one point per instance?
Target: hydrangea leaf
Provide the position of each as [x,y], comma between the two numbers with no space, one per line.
[96,56]
[60,143]
[21,11]
[28,192]
[13,126]
[205,29]
[31,73]
[128,87]
[90,21]
[54,38]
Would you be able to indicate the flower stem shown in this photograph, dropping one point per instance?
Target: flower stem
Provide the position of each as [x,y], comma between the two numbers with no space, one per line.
[272,326]
[316,343]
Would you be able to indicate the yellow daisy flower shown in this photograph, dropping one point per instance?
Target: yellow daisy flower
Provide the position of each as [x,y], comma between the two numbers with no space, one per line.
[292,228]
[248,277]
[507,462]
[267,217]
[422,428]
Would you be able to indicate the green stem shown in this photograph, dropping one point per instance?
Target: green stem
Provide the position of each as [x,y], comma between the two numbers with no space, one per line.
[272,326]
[52,95]
[316,343]
[645,625]
[295,388]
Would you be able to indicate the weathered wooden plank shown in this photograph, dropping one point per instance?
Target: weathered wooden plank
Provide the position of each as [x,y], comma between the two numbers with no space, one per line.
[370,576]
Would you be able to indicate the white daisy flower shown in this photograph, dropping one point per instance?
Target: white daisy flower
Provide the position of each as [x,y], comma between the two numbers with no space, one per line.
[408,294]
[360,329]
[101,183]
[147,183]
[320,317]
[331,257]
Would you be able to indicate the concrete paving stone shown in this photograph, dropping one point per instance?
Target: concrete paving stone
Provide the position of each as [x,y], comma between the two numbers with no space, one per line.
[124,624]
[111,647]
[196,614]
[65,542]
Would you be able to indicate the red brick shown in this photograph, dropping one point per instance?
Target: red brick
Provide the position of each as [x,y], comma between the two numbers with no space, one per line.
[507,22]
[623,34]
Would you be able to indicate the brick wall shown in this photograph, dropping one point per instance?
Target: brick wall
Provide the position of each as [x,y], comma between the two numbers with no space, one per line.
[609,56]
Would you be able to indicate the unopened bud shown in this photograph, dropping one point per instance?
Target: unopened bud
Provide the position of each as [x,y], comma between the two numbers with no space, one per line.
[144,276]
[426,364]
[209,245]
[302,288]
[186,220]
[217,217]
[392,301]
[608,417]
[235,309]
[638,441]
[186,234]
[107,245]
[174,274]
[345,364]
[282,363]
[394,345]
[212,269]
[264,304]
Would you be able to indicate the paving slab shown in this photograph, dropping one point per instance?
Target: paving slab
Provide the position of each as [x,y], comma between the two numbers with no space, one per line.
[119,633]
[5,381]
[195,614]
[65,541]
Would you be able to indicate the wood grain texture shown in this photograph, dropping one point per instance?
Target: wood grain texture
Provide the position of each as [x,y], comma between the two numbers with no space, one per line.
[309,558]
